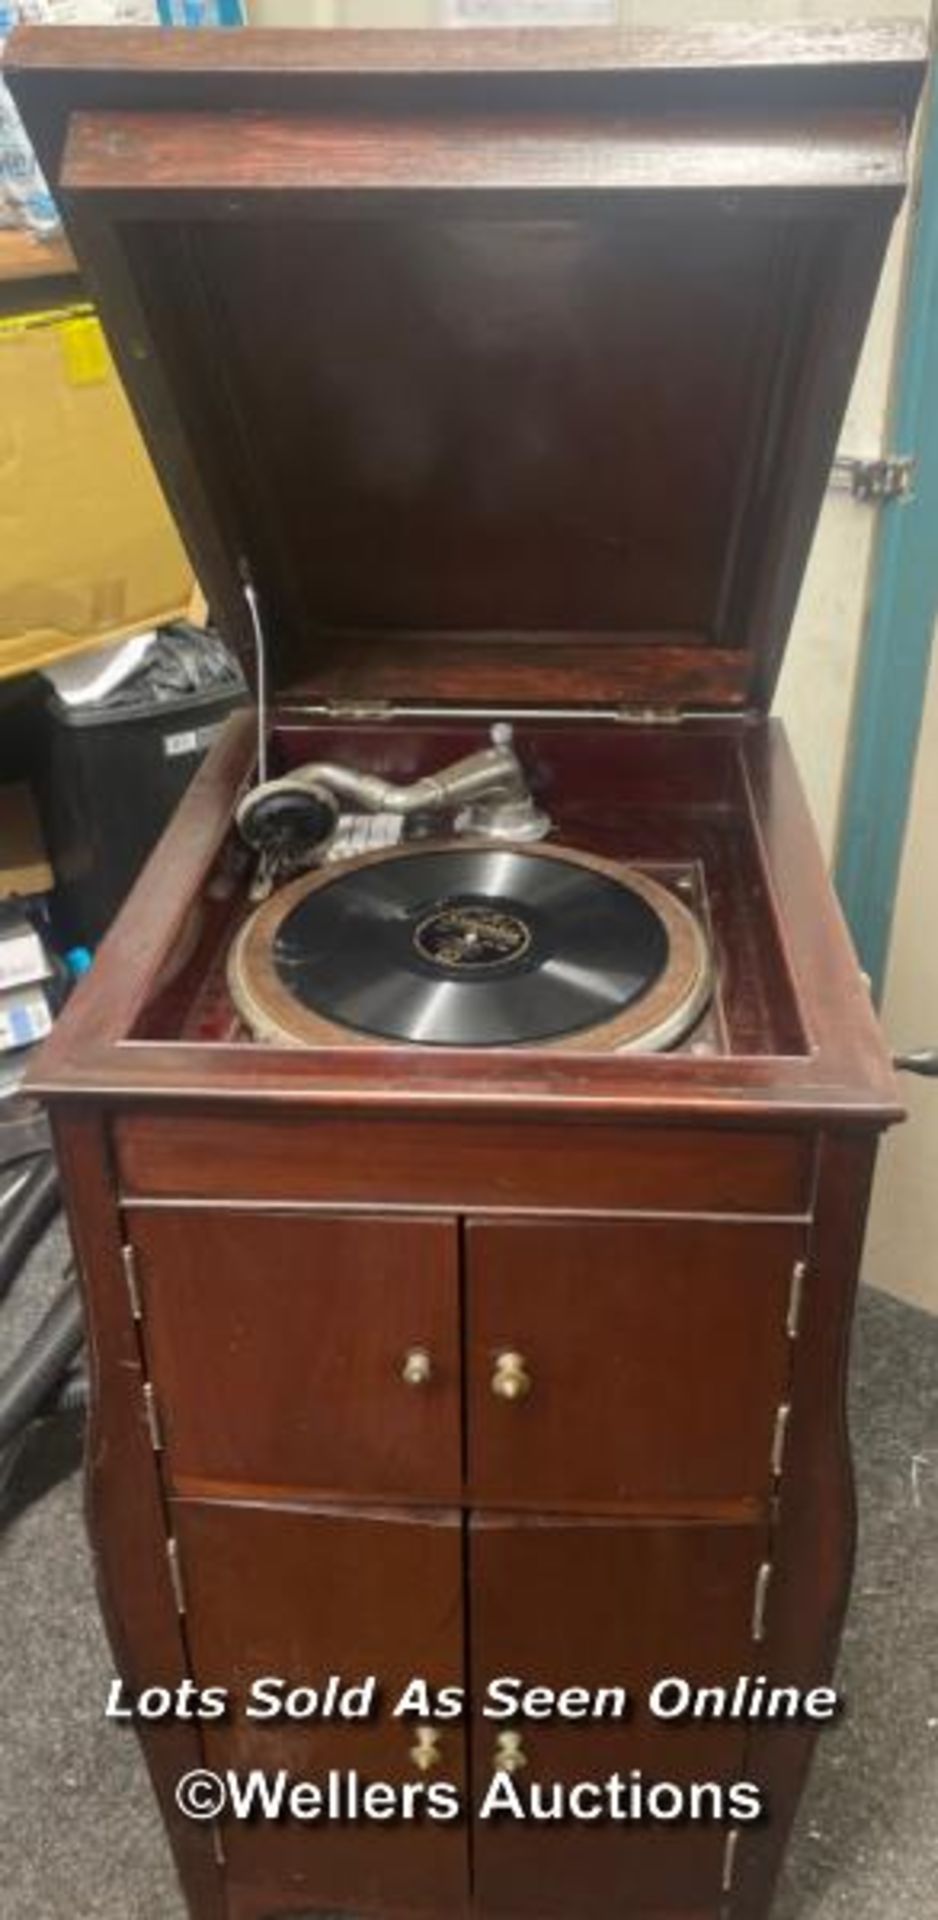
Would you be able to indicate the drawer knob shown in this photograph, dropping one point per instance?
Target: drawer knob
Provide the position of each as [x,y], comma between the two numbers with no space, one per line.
[510,1756]
[425,1752]
[416,1367]
[510,1377]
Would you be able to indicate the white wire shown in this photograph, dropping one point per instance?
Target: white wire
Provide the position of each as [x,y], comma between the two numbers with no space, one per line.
[260,674]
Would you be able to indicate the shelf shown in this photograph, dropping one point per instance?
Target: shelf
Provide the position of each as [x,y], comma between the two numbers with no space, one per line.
[23,257]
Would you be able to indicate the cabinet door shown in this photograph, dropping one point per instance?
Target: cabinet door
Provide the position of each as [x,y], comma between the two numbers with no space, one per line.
[595,1604]
[304,1594]
[654,1354]
[277,1346]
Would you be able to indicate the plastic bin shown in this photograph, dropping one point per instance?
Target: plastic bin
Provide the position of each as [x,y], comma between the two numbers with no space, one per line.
[113,773]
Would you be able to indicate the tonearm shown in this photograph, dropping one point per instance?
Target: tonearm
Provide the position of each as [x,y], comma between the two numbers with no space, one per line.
[487,791]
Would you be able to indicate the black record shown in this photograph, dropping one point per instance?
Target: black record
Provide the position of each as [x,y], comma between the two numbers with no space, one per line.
[470,948]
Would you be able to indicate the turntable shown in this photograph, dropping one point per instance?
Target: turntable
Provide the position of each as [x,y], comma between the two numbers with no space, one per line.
[468,946]
[467,1137]
[467,943]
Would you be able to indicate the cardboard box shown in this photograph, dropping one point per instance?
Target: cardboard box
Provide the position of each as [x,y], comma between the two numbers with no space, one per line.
[88,551]
[24,867]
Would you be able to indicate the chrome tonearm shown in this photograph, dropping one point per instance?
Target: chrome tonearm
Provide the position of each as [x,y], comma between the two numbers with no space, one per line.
[488,790]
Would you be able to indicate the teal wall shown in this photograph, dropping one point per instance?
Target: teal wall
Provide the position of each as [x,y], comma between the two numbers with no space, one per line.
[904,598]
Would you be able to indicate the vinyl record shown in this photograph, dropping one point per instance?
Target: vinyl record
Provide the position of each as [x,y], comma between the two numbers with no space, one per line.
[469,946]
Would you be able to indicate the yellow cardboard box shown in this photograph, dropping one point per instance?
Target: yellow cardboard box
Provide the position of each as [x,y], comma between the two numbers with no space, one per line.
[88,552]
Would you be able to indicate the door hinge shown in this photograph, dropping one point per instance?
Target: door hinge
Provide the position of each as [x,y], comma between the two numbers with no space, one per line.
[887,476]
[760,1599]
[799,1274]
[129,1258]
[153,1417]
[175,1574]
[779,1438]
[730,1850]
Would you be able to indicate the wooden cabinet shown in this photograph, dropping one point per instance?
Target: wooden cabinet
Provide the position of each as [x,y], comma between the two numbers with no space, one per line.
[605,1520]
[492,379]
[270,1496]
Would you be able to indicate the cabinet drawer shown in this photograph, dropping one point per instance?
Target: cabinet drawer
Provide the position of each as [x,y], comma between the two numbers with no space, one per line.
[648,1360]
[277,1345]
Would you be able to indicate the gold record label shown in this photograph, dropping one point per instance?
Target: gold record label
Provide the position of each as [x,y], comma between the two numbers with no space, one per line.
[463,934]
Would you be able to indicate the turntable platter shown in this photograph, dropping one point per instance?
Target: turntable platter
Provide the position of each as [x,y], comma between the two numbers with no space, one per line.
[470,945]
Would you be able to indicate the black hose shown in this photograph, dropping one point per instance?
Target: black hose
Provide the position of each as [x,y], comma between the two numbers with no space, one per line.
[75,1391]
[27,1217]
[41,1363]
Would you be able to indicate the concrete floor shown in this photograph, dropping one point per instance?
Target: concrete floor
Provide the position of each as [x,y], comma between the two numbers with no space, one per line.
[79,1839]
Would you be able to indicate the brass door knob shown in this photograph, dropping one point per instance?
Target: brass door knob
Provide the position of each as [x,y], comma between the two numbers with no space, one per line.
[510,1377]
[510,1756]
[425,1752]
[416,1367]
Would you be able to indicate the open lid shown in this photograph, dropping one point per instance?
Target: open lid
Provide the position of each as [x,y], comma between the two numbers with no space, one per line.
[508,367]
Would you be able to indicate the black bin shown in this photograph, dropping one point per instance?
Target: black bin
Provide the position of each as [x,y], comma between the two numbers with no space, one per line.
[113,772]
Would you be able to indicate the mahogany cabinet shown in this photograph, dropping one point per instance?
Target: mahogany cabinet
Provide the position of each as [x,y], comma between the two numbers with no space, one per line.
[271,1495]
[489,376]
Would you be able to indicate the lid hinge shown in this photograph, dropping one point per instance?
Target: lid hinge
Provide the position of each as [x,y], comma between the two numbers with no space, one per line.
[649,716]
[886,476]
[360,710]
[587,715]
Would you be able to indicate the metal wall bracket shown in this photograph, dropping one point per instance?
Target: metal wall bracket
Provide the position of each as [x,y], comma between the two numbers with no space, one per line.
[888,476]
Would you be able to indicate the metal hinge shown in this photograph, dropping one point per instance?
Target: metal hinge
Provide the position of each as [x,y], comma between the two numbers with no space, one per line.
[888,476]
[760,1599]
[799,1274]
[730,1850]
[584,715]
[175,1574]
[779,1437]
[153,1417]
[129,1258]
[359,710]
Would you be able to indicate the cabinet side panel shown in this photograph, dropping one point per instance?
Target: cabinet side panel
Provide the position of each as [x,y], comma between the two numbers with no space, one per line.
[125,1514]
[814,1539]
